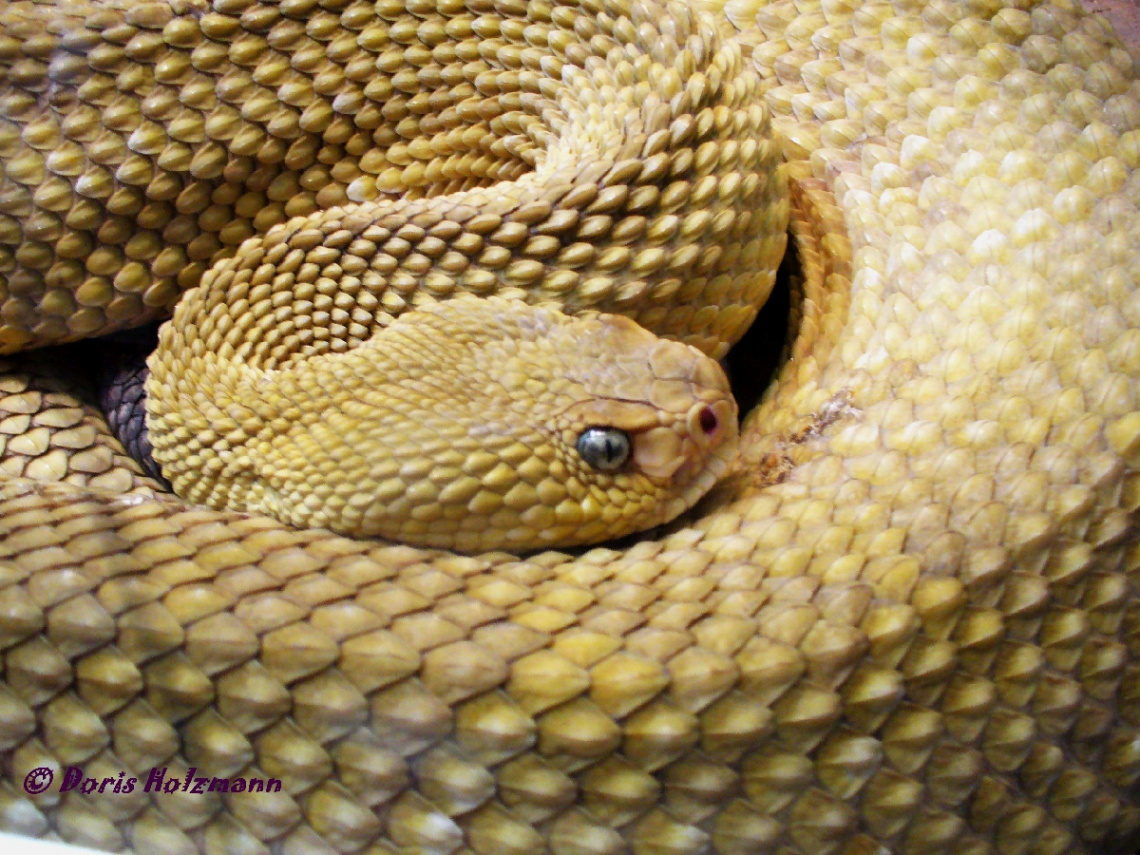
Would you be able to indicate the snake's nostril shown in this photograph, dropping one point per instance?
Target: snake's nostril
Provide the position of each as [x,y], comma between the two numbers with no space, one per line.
[708,421]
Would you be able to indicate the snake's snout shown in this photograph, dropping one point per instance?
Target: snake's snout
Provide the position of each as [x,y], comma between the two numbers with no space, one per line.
[712,421]
[696,436]
[701,443]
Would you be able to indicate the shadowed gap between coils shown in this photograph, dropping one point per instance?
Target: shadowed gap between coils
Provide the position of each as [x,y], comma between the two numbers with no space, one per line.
[120,383]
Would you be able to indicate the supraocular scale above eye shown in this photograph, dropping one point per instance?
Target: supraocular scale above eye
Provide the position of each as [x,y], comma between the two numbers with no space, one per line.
[604,448]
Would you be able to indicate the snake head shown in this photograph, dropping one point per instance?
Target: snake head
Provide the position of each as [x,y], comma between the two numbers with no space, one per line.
[565,430]
[660,412]
[601,428]
[473,424]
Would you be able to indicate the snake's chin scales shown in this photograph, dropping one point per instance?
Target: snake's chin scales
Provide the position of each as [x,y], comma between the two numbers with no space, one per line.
[457,426]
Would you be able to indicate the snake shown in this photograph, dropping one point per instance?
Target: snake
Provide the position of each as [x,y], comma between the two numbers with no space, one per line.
[903,623]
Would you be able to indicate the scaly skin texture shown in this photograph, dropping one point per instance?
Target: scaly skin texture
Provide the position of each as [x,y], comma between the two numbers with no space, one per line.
[456,427]
[632,168]
[910,626]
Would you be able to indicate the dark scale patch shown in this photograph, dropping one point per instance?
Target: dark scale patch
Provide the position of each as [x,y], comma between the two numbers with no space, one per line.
[121,386]
[753,362]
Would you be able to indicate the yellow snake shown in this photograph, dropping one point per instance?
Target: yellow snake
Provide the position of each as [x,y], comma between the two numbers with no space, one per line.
[907,625]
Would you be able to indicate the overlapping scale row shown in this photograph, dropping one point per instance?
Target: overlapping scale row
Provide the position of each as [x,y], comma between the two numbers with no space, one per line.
[142,143]
[51,431]
[982,391]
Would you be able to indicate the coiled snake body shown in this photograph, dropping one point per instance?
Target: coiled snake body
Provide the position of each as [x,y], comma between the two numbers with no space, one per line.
[908,625]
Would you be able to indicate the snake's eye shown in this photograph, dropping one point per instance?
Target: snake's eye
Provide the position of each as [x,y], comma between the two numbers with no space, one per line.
[604,448]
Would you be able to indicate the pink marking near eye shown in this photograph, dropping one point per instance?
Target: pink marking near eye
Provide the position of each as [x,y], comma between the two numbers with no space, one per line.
[708,421]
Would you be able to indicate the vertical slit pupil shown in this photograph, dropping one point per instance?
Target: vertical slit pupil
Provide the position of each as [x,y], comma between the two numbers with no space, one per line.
[612,450]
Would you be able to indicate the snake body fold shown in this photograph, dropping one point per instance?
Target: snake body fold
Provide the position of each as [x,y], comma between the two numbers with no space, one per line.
[909,625]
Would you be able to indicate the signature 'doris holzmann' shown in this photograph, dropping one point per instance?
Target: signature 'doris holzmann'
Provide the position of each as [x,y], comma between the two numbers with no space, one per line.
[39,780]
